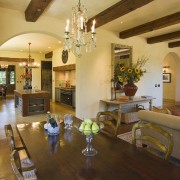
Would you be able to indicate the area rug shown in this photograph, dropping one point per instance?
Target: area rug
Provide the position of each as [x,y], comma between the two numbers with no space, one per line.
[128,137]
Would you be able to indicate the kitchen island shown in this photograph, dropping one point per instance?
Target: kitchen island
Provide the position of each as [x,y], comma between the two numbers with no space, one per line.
[31,102]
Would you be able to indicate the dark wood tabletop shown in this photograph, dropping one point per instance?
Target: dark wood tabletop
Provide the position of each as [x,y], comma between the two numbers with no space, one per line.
[60,157]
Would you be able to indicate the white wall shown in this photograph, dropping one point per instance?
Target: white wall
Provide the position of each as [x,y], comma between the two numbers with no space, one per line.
[169,89]
[93,72]
[35,72]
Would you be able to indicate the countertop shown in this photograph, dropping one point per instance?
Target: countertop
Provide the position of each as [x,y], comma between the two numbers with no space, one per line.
[66,88]
[31,91]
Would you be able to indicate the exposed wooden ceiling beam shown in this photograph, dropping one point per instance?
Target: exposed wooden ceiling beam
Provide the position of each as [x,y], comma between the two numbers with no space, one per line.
[117,10]
[13,59]
[174,44]
[49,55]
[164,37]
[35,9]
[151,26]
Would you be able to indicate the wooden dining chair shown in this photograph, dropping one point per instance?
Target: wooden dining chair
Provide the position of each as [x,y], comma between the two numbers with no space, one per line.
[111,122]
[150,141]
[10,137]
[25,161]
[3,91]
[21,174]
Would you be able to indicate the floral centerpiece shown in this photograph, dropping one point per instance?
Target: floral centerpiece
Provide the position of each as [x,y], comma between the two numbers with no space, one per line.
[26,76]
[130,75]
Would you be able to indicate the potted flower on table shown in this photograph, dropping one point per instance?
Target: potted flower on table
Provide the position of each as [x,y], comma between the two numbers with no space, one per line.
[130,75]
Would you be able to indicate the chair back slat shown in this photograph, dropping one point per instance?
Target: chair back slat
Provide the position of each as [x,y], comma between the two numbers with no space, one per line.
[16,165]
[10,136]
[8,130]
[149,137]
[111,122]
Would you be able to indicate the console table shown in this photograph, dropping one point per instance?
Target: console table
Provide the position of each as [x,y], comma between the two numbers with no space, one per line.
[120,103]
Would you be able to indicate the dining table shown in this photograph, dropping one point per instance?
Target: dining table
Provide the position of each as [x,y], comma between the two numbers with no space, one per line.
[60,156]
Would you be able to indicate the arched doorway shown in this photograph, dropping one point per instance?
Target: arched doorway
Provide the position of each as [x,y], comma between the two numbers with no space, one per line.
[171,86]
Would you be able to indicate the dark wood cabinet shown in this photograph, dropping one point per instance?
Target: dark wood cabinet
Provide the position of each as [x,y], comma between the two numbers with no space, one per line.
[66,96]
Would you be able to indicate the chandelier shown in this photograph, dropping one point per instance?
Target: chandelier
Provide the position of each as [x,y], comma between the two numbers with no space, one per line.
[29,64]
[78,36]
[4,66]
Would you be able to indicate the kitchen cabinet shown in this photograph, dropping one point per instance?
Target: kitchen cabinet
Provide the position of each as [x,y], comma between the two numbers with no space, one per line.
[65,96]
[57,94]
[74,99]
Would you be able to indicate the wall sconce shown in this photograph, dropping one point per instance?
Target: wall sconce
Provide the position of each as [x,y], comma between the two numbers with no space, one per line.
[165,68]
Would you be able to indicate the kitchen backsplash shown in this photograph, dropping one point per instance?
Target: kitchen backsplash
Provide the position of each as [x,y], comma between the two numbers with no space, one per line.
[64,78]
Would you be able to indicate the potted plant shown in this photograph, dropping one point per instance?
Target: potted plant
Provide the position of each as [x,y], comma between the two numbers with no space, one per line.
[129,75]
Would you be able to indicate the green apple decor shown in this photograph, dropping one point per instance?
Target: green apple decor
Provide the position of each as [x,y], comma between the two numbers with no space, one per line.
[89,128]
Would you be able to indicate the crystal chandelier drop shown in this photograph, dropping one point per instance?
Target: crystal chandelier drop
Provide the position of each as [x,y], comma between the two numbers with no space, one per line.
[78,36]
[29,64]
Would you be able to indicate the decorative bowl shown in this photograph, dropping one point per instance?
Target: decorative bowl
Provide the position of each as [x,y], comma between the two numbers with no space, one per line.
[51,130]
[89,150]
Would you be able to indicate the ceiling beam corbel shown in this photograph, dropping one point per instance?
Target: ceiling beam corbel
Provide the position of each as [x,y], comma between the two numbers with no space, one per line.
[151,26]
[35,9]
[117,10]
[164,37]
[174,44]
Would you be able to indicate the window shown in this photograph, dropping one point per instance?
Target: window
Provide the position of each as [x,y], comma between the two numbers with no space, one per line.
[11,77]
[7,75]
[2,77]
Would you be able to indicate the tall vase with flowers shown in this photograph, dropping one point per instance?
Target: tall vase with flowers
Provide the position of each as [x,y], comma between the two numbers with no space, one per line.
[130,75]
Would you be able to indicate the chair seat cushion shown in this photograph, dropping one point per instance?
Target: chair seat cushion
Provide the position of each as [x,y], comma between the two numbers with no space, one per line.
[29,175]
[26,163]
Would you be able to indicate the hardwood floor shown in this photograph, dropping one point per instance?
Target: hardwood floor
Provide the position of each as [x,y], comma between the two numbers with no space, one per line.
[11,115]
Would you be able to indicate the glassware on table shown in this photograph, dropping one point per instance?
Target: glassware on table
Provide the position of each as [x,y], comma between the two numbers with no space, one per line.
[65,121]
[89,150]
[68,121]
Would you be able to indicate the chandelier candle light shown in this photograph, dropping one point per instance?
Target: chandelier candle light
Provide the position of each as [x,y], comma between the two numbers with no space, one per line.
[78,37]
[29,64]
[4,66]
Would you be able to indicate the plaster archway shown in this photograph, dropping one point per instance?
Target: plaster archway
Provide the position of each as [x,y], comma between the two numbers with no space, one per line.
[40,42]
[171,90]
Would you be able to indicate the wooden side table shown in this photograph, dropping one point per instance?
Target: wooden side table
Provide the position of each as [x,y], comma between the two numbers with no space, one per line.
[119,103]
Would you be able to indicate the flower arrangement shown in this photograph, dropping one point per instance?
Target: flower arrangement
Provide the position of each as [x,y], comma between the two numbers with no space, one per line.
[26,76]
[130,74]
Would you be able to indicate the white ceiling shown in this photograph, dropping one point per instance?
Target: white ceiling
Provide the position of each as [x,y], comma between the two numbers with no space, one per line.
[61,9]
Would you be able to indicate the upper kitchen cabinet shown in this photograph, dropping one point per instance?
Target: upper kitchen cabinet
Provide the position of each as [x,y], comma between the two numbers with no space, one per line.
[69,67]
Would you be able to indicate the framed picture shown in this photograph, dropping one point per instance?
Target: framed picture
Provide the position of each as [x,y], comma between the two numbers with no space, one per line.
[166,77]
